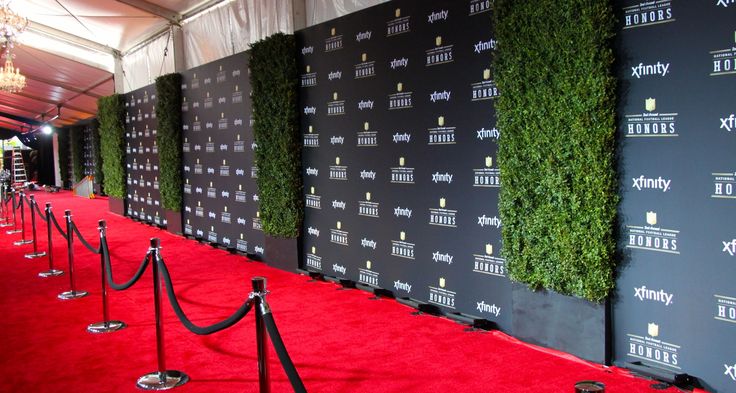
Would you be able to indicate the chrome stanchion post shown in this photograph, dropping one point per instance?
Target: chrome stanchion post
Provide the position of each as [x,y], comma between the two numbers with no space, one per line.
[23,239]
[4,207]
[162,379]
[15,221]
[72,293]
[106,325]
[51,272]
[35,253]
[259,290]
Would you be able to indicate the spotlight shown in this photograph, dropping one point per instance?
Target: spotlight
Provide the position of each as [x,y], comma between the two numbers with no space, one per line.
[47,130]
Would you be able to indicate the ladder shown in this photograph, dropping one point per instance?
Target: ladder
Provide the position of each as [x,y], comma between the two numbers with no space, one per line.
[19,169]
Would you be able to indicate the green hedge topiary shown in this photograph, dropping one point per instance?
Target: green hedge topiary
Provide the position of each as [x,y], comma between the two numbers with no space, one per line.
[556,114]
[168,138]
[111,115]
[64,156]
[77,144]
[278,156]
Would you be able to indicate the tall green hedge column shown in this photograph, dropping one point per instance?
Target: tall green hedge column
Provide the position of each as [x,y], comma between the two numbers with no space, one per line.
[278,156]
[111,115]
[556,114]
[168,138]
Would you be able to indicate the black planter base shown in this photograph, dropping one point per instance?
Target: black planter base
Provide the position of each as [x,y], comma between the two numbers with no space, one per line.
[116,205]
[173,222]
[565,323]
[283,253]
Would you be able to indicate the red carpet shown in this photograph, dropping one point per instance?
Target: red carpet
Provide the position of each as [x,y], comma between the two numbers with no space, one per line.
[340,341]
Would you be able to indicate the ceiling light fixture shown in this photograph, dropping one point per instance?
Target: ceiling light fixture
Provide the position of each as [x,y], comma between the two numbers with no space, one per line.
[11,80]
[11,25]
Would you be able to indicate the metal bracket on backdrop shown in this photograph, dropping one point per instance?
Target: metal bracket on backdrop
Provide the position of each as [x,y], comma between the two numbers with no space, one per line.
[34,209]
[52,272]
[72,293]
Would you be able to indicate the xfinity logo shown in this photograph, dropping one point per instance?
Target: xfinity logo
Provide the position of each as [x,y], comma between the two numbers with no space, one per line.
[208,125]
[253,146]
[436,16]
[197,147]
[365,105]
[198,190]
[226,240]
[643,293]
[223,147]
[212,215]
[225,194]
[730,371]
[642,69]
[402,212]
[236,72]
[488,134]
[338,205]
[652,184]
[238,122]
[440,96]
[442,177]
[241,221]
[188,209]
[313,231]
[339,269]
[725,4]
[310,110]
[368,175]
[489,221]
[210,171]
[337,140]
[221,100]
[402,62]
[405,137]
[240,172]
[307,49]
[483,46]
[334,75]
[728,123]
[730,247]
[437,257]
[312,172]
[402,286]
[368,243]
[200,233]
[259,250]
[363,36]
[255,198]
[482,307]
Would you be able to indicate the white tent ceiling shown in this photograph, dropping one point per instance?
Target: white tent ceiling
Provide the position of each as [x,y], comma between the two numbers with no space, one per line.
[68,51]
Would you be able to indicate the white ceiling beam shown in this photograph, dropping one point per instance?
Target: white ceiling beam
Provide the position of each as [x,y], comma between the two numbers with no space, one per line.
[70,38]
[154,9]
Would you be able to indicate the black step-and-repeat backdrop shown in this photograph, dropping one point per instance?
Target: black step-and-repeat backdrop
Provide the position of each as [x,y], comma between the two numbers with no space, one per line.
[89,155]
[401,176]
[220,190]
[675,307]
[143,196]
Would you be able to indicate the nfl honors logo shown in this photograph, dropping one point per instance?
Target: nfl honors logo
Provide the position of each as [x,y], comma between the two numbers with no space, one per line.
[485,89]
[488,176]
[335,107]
[313,260]
[398,25]
[241,244]
[443,217]
[311,139]
[402,174]
[367,138]
[650,124]
[401,248]
[333,42]
[441,296]
[367,208]
[725,308]
[337,171]
[479,6]
[441,135]
[652,237]
[489,264]
[440,54]
[401,99]
[724,184]
[238,95]
[724,60]
[648,14]
[367,276]
[365,69]
[651,348]
[338,236]
[257,226]
[313,201]
[309,78]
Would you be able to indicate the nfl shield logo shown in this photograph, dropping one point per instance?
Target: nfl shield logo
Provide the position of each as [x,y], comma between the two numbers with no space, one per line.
[650,104]
[442,203]
[399,87]
[486,74]
[314,250]
[653,329]
[489,249]
[339,225]
[367,264]
[652,218]
[367,196]
[441,121]
[402,236]
[442,282]
[438,40]
[489,162]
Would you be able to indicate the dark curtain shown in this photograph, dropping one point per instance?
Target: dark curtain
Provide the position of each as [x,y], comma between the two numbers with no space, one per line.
[46,160]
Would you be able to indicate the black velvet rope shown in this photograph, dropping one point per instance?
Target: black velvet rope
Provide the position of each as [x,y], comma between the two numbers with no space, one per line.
[230,321]
[28,202]
[58,227]
[108,268]
[39,212]
[20,201]
[278,345]
[84,242]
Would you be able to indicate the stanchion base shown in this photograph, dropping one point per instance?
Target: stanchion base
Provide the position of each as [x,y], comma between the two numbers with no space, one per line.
[106,327]
[51,273]
[12,231]
[72,295]
[165,380]
[22,242]
[36,255]
[5,225]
